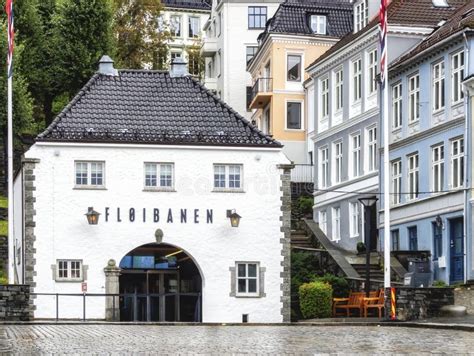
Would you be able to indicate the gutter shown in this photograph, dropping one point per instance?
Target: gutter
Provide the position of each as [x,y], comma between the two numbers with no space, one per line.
[467,173]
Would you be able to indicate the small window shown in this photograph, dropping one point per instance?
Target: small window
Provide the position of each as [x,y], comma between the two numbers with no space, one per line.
[396,182]
[294,68]
[355,156]
[69,270]
[175,26]
[339,89]
[323,224]
[89,174]
[457,163]
[338,162]
[414,98]
[356,80]
[251,51]
[228,177]
[247,279]
[318,24]
[438,86]
[159,176]
[175,55]
[413,238]
[395,240]
[194,26]
[361,15]
[372,85]
[372,149]
[293,116]
[324,167]
[354,211]
[396,106]
[257,17]
[457,76]
[413,176]
[437,241]
[437,168]
[336,224]
[324,98]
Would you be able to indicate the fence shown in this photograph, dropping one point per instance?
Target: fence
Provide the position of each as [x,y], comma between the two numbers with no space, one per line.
[302,173]
[137,300]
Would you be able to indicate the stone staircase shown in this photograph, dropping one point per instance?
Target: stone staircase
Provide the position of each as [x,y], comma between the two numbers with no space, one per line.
[301,240]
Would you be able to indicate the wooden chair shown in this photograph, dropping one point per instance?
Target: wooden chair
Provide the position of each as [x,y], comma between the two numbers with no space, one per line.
[354,301]
[374,302]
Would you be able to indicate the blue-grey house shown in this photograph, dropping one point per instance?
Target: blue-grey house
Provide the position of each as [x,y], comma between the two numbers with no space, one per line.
[430,139]
[343,95]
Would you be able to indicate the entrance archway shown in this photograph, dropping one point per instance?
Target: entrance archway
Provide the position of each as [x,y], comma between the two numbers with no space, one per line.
[159,282]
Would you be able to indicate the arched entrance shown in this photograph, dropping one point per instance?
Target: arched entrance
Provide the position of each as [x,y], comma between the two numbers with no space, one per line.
[159,282]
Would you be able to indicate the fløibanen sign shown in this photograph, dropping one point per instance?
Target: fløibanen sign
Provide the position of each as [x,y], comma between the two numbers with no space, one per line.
[170,216]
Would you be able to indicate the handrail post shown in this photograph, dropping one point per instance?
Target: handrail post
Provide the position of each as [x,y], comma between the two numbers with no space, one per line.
[113,307]
[84,307]
[57,306]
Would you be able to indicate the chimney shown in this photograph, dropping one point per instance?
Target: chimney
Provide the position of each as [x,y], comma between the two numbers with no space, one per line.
[179,68]
[106,66]
[440,3]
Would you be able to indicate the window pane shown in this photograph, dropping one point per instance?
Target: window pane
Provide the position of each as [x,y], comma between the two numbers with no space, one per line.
[252,286]
[150,175]
[219,176]
[294,116]
[241,286]
[241,270]
[294,68]
[81,173]
[252,270]
[166,175]
[96,174]
[234,176]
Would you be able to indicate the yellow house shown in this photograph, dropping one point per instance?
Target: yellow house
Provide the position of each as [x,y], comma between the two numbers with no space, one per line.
[299,32]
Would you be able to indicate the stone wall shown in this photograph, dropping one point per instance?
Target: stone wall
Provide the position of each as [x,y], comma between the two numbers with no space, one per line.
[14,302]
[465,297]
[421,303]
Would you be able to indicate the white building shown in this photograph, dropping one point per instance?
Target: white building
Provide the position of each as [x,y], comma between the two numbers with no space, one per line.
[230,42]
[185,20]
[164,162]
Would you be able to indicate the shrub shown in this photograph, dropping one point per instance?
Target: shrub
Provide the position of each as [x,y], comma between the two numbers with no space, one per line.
[361,247]
[315,300]
[439,284]
[340,286]
[305,205]
[303,267]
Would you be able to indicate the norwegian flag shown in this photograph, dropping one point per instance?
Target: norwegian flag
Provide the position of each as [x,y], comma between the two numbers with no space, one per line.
[383,39]
[11,35]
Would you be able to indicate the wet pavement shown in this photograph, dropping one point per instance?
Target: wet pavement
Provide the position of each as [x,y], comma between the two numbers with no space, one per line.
[223,340]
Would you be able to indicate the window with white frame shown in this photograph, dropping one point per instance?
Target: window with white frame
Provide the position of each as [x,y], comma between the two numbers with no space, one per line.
[397,106]
[396,182]
[437,168]
[175,26]
[318,24]
[355,155]
[457,163]
[372,149]
[324,98]
[438,86]
[247,279]
[293,115]
[257,17]
[69,270]
[413,176]
[457,76]
[89,174]
[354,213]
[293,68]
[323,221]
[372,85]
[228,177]
[413,98]
[159,175]
[194,26]
[361,15]
[356,80]
[339,82]
[337,149]
[324,167]
[336,224]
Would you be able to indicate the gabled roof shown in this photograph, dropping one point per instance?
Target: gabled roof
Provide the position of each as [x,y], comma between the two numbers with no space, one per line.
[188,4]
[408,13]
[463,19]
[141,106]
[292,17]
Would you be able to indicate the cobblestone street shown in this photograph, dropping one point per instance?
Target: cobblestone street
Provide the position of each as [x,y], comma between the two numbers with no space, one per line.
[218,340]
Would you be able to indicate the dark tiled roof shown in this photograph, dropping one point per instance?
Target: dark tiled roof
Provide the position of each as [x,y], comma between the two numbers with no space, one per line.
[461,20]
[410,13]
[139,106]
[188,4]
[292,17]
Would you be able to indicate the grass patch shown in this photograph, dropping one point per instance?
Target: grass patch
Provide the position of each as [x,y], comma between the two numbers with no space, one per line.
[3,228]
[3,202]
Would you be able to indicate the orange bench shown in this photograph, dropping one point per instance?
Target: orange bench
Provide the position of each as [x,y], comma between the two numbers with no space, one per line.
[354,301]
[376,302]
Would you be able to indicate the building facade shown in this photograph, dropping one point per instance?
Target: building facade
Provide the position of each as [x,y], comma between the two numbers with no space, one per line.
[343,94]
[298,33]
[429,146]
[193,203]
[230,42]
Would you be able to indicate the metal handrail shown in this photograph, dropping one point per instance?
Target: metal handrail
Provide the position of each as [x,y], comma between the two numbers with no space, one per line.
[262,85]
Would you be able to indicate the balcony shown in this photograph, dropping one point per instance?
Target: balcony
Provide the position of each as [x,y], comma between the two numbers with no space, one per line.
[209,47]
[210,83]
[302,173]
[262,92]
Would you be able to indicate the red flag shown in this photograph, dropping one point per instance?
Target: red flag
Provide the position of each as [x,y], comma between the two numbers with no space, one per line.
[383,38]
[11,35]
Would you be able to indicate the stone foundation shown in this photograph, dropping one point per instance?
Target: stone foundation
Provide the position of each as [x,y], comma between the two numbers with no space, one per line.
[465,298]
[421,303]
[14,302]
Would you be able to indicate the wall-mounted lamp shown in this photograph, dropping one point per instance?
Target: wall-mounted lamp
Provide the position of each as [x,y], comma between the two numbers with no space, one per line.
[439,222]
[234,218]
[92,216]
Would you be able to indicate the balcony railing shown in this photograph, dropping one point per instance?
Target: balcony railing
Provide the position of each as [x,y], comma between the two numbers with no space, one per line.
[302,173]
[262,88]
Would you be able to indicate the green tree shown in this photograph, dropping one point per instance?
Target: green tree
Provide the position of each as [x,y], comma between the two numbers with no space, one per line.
[140,34]
[196,61]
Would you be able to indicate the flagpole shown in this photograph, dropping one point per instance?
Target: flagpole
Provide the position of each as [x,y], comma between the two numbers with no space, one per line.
[11,240]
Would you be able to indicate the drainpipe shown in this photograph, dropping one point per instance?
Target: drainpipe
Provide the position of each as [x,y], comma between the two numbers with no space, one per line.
[467,115]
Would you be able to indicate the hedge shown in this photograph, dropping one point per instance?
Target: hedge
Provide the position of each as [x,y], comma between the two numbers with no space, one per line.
[340,286]
[315,300]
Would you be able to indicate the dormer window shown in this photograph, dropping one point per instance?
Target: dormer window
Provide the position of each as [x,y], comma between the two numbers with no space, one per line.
[361,15]
[318,24]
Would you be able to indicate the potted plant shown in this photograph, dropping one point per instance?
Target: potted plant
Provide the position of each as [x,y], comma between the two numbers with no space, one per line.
[361,247]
